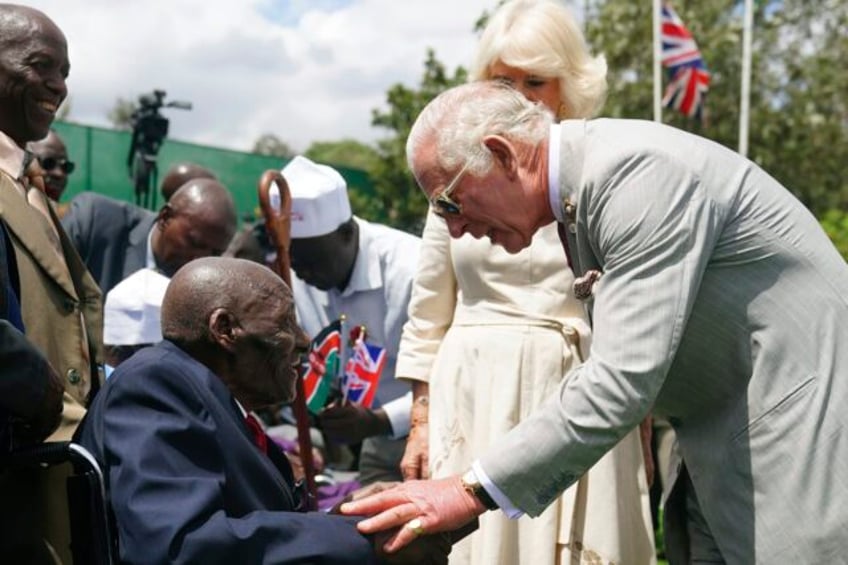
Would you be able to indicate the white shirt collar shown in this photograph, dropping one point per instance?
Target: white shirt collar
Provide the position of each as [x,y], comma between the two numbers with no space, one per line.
[240,407]
[11,157]
[150,260]
[554,196]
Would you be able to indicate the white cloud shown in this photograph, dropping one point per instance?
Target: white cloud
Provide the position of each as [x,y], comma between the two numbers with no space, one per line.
[303,70]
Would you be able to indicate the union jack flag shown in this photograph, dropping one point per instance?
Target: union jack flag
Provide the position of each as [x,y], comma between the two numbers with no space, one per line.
[362,372]
[689,79]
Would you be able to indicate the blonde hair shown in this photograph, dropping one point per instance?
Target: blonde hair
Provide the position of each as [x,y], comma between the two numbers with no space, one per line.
[543,38]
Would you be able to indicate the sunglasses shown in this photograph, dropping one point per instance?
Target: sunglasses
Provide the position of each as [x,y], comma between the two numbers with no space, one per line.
[50,163]
[443,203]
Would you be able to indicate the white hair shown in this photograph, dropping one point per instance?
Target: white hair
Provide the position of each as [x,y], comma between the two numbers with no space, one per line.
[543,38]
[455,123]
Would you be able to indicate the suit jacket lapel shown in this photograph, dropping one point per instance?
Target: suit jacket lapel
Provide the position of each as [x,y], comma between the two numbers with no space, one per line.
[573,196]
[23,221]
[136,255]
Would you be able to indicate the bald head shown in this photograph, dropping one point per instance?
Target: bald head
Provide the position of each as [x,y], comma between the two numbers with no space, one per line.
[237,318]
[198,221]
[204,285]
[181,173]
[33,68]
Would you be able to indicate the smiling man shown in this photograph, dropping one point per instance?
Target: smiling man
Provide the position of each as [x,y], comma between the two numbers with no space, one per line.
[59,301]
[716,298]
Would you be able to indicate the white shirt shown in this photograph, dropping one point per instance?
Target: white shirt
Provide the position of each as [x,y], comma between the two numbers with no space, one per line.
[377,297]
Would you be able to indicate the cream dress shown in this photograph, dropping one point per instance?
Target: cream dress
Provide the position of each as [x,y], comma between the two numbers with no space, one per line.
[494,334]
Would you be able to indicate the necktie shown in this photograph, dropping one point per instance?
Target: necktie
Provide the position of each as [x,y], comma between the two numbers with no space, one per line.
[259,437]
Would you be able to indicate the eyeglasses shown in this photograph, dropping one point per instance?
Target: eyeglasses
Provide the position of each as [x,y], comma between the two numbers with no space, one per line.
[50,163]
[443,203]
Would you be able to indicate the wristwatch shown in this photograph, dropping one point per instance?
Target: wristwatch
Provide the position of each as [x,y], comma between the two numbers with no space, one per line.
[472,486]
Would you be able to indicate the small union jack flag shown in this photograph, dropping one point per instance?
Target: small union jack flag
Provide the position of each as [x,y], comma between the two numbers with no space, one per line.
[689,78]
[362,372]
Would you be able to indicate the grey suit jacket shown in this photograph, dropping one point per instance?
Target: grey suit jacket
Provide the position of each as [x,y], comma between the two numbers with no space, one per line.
[110,235]
[723,305]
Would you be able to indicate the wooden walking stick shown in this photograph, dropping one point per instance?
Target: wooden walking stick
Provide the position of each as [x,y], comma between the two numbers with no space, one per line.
[275,201]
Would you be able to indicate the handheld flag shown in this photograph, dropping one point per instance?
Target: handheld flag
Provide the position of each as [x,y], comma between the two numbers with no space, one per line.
[322,366]
[362,371]
[689,78]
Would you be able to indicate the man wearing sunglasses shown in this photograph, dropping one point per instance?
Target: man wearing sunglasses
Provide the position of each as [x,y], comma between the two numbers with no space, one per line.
[52,155]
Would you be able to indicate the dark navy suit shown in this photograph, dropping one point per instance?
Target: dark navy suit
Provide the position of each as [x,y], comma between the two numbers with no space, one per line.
[110,236]
[186,481]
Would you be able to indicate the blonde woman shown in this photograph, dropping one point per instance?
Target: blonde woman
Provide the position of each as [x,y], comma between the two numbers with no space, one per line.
[491,335]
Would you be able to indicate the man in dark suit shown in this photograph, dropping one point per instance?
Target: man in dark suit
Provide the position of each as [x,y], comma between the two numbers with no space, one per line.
[190,474]
[115,238]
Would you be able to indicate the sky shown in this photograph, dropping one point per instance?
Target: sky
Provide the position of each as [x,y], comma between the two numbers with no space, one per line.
[304,70]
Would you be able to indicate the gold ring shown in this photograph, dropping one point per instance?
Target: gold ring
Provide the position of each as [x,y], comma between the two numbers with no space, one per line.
[416,527]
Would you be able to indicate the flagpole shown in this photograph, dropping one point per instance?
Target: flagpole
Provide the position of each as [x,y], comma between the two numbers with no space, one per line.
[657,58]
[745,95]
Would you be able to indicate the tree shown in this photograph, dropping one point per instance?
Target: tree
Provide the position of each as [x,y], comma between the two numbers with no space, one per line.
[835,223]
[397,193]
[347,152]
[355,157]
[121,113]
[799,111]
[270,144]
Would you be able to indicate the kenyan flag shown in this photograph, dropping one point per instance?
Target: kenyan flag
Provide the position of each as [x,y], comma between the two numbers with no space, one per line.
[322,367]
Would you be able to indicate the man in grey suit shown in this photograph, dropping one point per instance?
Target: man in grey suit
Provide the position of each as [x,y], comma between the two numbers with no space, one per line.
[116,238]
[716,298]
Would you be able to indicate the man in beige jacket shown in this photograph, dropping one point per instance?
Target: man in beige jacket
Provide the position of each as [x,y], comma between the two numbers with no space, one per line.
[60,302]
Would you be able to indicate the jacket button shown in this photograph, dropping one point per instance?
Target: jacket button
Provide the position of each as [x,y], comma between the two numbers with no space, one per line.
[70,305]
[74,376]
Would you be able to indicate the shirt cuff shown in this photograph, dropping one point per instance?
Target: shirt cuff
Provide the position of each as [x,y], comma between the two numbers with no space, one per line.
[398,411]
[503,502]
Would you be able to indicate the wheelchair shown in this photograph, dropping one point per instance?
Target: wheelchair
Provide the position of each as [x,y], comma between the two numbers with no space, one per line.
[93,532]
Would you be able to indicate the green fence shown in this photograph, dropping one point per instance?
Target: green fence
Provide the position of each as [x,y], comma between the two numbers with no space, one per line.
[101,158]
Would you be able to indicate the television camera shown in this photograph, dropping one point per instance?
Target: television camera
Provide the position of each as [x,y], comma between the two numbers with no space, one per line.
[150,128]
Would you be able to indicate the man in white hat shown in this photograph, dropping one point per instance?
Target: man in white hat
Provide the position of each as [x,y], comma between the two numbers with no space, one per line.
[346,265]
[132,315]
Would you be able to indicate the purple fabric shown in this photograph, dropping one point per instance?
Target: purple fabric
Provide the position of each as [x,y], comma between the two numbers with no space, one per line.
[328,495]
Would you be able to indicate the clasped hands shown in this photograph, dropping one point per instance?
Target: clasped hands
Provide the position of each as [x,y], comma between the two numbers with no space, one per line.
[417,509]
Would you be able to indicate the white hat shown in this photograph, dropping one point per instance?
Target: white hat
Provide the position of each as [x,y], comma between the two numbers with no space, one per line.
[319,198]
[132,313]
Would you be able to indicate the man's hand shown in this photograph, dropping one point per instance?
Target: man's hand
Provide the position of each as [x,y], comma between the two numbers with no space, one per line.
[416,459]
[437,506]
[351,423]
[47,417]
